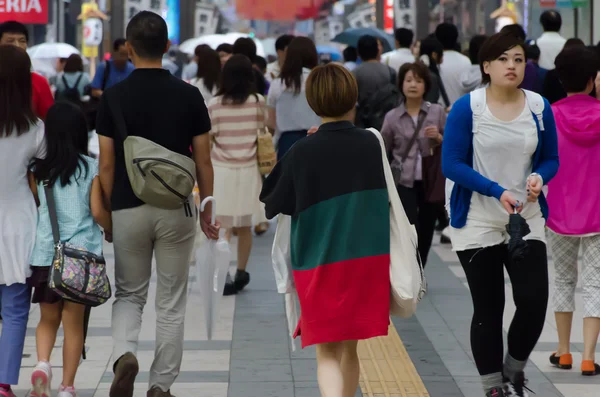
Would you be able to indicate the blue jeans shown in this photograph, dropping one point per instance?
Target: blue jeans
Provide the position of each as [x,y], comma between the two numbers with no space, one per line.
[287,140]
[16,300]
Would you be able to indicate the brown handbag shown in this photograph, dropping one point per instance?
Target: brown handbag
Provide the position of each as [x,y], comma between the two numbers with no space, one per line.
[434,182]
[266,154]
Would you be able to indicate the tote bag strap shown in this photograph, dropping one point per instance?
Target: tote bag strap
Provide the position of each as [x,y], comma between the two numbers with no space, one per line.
[52,212]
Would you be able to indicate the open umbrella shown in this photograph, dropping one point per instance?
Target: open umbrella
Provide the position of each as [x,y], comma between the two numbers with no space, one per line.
[212,267]
[214,40]
[52,51]
[517,228]
[351,36]
[333,52]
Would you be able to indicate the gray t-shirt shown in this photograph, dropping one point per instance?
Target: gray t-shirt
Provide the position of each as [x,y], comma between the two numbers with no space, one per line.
[372,76]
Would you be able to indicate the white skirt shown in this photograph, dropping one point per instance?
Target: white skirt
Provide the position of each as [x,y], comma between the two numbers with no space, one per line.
[236,192]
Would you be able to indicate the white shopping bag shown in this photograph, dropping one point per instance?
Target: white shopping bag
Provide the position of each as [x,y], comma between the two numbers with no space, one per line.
[212,265]
[406,271]
[281,255]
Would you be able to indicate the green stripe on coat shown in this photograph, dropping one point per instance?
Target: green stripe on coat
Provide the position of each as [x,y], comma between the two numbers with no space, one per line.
[350,226]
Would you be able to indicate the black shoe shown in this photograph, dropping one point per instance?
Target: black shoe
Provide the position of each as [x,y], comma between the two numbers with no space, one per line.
[126,369]
[495,392]
[517,388]
[242,279]
[230,288]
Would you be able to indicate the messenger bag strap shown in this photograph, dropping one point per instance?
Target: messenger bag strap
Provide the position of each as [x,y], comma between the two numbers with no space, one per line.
[413,139]
[52,212]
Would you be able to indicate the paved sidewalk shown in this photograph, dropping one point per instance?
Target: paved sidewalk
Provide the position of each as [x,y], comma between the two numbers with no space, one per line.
[438,338]
[250,355]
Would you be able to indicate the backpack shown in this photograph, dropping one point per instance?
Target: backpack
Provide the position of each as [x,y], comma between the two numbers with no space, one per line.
[71,94]
[158,176]
[372,110]
[478,101]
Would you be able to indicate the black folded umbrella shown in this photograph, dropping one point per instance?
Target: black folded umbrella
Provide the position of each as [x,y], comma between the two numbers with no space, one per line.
[517,228]
[86,322]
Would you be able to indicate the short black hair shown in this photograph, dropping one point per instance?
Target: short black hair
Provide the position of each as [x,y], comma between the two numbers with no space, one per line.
[283,42]
[118,43]
[574,42]
[551,21]
[533,52]
[515,29]
[404,37]
[494,47]
[576,66]
[74,64]
[245,46]
[350,54]
[261,62]
[447,34]
[368,47]
[225,47]
[148,35]
[475,46]
[14,27]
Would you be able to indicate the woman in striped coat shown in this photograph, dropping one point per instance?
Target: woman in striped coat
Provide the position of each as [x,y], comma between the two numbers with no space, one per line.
[236,116]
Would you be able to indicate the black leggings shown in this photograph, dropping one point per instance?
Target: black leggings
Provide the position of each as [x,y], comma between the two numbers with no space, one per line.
[485,274]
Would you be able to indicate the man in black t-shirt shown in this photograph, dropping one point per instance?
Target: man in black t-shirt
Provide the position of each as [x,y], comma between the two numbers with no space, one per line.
[157,106]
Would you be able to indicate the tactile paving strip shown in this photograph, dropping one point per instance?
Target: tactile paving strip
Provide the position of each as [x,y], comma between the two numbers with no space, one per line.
[386,369]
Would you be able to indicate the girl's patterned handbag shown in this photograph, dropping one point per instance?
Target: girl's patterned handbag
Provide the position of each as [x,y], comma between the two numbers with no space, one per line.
[75,275]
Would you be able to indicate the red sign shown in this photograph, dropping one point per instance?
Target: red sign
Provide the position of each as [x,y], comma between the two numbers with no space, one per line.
[24,11]
[278,10]
[388,16]
[548,3]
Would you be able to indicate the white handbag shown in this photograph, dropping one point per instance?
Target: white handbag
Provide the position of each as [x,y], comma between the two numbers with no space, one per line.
[407,277]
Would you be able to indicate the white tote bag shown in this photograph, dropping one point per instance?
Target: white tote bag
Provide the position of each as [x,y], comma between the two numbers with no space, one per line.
[406,271]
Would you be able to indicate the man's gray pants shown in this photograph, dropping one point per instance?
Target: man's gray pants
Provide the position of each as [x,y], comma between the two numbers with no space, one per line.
[169,234]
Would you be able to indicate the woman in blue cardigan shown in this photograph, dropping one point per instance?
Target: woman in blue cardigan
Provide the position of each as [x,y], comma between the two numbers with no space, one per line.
[500,148]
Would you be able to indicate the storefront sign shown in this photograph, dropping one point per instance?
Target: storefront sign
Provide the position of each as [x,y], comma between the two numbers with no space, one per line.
[406,14]
[92,33]
[132,7]
[24,11]
[564,3]
[388,16]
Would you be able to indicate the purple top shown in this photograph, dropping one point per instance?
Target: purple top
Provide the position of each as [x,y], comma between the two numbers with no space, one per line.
[530,77]
[399,127]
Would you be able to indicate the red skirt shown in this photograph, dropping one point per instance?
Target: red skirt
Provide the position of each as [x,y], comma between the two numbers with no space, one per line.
[348,300]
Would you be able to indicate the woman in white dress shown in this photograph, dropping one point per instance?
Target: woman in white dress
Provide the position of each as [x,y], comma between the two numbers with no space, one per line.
[237,114]
[21,140]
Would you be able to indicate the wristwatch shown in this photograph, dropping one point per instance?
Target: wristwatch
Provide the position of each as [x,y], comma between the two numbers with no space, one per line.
[538,175]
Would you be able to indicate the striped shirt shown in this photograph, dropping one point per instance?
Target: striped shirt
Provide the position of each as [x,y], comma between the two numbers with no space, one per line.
[234,131]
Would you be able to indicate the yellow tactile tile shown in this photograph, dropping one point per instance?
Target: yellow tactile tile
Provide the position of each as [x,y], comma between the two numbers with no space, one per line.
[386,370]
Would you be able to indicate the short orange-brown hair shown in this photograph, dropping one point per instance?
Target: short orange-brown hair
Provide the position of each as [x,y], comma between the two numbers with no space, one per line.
[331,90]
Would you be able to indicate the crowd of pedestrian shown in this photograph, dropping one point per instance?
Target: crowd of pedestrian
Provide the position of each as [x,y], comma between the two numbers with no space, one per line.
[507,130]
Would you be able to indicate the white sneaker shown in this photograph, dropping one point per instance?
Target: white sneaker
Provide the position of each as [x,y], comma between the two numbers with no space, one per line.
[66,392]
[41,380]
